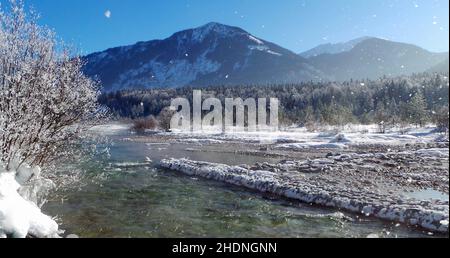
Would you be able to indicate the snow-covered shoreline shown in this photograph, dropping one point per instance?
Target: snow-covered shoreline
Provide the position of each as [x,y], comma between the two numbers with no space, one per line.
[430,215]
[299,138]
[20,215]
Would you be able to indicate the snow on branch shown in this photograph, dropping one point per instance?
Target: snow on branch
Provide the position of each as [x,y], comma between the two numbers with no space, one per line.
[46,105]
[44,96]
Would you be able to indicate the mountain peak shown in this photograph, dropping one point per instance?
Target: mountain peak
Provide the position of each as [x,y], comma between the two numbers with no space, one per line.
[218,54]
[212,54]
[334,48]
[218,29]
[216,26]
[212,25]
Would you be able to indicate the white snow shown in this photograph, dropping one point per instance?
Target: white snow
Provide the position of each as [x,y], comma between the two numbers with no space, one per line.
[18,215]
[199,34]
[258,41]
[327,137]
[111,128]
[108,14]
[301,146]
[263,48]
[259,48]
[273,53]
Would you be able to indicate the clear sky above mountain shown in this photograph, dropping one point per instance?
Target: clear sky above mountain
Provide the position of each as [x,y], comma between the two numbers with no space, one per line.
[298,25]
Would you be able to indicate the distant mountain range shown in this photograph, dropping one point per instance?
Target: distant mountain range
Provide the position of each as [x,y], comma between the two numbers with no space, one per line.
[217,54]
[373,58]
[333,48]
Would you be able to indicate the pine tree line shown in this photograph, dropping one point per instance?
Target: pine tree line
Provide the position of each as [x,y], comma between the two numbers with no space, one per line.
[416,99]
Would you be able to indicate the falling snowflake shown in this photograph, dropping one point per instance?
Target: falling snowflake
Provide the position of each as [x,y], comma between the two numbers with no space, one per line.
[108,14]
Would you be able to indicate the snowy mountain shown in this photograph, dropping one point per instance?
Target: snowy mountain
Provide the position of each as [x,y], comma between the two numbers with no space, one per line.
[217,54]
[209,55]
[374,58]
[333,48]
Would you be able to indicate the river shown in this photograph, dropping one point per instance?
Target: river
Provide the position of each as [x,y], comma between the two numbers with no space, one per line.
[135,198]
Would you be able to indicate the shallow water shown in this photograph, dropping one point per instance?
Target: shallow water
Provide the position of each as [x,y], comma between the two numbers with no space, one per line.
[428,194]
[137,199]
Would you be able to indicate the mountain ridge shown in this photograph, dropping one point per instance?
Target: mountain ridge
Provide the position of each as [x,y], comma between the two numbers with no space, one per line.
[375,57]
[333,48]
[210,54]
[218,54]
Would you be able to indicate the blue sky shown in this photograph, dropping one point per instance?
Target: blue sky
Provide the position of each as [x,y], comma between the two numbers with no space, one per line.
[295,24]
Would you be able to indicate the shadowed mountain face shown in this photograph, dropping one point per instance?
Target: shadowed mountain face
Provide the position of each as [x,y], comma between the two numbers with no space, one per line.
[374,58]
[217,54]
[209,55]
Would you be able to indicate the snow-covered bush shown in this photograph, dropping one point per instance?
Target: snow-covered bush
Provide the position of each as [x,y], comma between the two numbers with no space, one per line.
[46,103]
[44,96]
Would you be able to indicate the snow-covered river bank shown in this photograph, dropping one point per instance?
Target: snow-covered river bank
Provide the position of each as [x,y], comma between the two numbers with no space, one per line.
[137,198]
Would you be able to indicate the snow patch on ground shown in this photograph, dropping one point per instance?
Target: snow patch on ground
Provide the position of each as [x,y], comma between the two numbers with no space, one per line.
[301,138]
[303,146]
[19,216]
[111,128]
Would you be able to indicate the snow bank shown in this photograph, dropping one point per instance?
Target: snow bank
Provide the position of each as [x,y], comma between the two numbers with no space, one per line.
[433,216]
[327,137]
[310,145]
[19,216]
